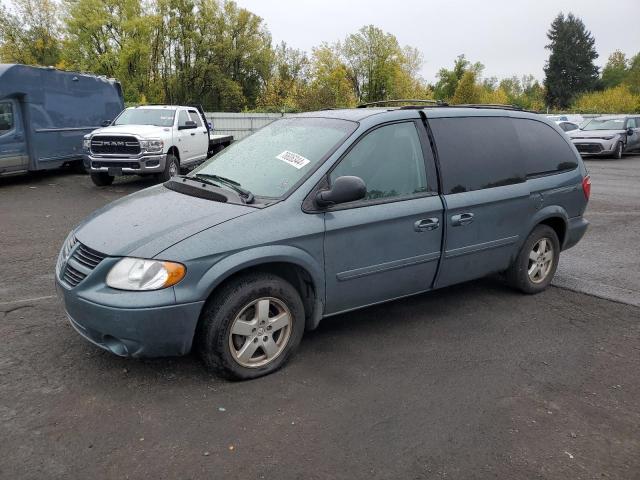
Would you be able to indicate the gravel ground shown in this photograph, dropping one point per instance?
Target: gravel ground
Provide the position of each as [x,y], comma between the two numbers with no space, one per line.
[473,381]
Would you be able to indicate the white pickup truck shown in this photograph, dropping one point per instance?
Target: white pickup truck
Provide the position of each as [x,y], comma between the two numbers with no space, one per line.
[155,140]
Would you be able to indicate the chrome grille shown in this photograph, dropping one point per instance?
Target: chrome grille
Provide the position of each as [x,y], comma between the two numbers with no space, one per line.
[111,145]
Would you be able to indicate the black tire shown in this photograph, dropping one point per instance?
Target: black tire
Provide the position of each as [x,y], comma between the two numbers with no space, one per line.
[518,276]
[171,163]
[617,154]
[101,179]
[213,340]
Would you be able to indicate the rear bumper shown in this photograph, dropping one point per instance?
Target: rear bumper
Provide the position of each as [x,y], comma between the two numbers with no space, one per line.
[133,332]
[576,229]
[150,163]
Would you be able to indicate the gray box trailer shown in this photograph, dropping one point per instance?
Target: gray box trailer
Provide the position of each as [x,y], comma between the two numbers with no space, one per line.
[45,112]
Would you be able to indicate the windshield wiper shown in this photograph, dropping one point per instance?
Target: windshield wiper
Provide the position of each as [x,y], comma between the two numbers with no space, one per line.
[245,194]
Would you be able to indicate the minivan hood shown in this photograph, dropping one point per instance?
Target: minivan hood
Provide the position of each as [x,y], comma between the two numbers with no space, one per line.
[147,222]
[593,133]
[142,130]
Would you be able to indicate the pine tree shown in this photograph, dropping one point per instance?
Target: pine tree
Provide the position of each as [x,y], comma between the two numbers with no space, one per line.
[570,69]
[467,91]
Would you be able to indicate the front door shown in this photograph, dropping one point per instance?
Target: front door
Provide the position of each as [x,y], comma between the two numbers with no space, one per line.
[184,138]
[13,151]
[199,137]
[388,244]
[633,141]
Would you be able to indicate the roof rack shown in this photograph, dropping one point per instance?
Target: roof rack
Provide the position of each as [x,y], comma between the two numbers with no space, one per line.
[405,100]
[499,106]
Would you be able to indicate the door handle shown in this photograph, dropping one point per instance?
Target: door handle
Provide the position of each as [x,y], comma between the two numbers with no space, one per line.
[461,219]
[18,137]
[426,224]
[192,134]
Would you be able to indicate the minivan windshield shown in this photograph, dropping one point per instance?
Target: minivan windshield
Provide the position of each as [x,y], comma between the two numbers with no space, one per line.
[159,117]
[604,124]
[272,160]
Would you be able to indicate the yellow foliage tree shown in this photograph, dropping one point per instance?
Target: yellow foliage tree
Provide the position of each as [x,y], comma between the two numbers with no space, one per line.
[619,99]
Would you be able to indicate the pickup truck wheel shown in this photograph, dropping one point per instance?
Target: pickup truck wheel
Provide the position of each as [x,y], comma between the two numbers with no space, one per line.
[535,265]
[251,326]
[101,179]
[171,168]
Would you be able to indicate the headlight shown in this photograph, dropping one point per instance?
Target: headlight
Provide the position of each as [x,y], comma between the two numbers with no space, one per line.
[86,143]
[141,274]
[153,145]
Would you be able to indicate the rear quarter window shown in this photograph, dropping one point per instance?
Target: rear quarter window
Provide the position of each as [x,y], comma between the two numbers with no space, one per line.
[543,149]
[477,153]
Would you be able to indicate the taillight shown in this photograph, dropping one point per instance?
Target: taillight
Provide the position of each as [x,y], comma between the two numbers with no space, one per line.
[586,186]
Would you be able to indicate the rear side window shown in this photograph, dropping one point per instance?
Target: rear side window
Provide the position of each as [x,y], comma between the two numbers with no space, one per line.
[195,116]
[477,153]
[6,117]
[543,148]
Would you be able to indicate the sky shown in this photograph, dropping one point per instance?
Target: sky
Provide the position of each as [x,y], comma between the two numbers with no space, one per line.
[507,36]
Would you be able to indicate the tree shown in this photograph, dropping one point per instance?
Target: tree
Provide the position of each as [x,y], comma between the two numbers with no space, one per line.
[30,33]
[448,80]
[632,79]
[288,80]
[467,91]
[615,71]
[618,99]
[570,70]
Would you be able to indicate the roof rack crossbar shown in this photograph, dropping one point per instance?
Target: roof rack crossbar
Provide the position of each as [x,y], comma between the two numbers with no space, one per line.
[401,100]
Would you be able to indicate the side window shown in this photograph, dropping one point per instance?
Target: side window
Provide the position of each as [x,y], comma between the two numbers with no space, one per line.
[543,149]
[477,153]
[6,117]
[389,160]
[195,116]
[631,123]
[183,118]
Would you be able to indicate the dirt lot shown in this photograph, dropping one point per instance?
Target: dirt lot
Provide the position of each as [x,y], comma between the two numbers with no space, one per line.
[474,381]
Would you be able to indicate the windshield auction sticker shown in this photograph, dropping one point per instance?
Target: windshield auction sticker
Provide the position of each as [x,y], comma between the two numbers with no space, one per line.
[293,159]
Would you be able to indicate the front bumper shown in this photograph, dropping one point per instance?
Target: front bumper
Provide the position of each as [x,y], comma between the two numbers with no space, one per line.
[132,332]
[594,146]
[137,165]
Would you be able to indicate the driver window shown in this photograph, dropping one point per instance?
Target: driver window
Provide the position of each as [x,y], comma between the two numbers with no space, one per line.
[631,123]
[6,117]
[389,160]
[183,118]
[195,116]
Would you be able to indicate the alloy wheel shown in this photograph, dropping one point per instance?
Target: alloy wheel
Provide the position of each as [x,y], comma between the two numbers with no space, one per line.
[260,332]
[540,260]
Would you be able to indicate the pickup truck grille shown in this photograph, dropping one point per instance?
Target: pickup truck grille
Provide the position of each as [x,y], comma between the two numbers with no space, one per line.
[115,145]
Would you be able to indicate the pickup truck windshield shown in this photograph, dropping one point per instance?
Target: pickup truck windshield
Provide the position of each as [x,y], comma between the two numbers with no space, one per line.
[272,160]
[159,117]
[610,124]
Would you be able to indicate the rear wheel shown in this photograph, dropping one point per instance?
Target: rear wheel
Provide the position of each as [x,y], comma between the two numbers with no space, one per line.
[251,326]
[101,179]
[535,265]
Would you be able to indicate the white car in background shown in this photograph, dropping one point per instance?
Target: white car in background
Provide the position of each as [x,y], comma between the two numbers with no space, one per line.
[567,126]
[608,136]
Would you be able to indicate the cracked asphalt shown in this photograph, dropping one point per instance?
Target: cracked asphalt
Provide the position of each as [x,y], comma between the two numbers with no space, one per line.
[471,382]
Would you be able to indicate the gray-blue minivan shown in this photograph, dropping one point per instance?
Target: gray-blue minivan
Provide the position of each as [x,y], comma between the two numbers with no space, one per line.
[320,214]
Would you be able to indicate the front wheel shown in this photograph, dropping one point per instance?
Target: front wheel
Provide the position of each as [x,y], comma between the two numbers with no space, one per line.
[251,326]
[101,179]
[171,168]
[534,267]
[617,153]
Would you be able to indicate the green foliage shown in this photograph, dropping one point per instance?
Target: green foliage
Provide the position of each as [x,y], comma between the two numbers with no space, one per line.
[448,80]
[467,90]
[570,70]
[615,71]
[30,33]
[618,99]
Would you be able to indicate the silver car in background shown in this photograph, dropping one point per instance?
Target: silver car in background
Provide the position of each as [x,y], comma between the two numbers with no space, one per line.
[608,136]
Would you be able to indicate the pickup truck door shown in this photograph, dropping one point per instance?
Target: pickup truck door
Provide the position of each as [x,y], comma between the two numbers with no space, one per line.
[184,138]
[633,141]
[387,245]
[199,137]
[13,151]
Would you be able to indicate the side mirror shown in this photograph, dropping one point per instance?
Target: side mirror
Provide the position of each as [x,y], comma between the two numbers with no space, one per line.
[106,123]
[188,124]
[630,131]
[344,189]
